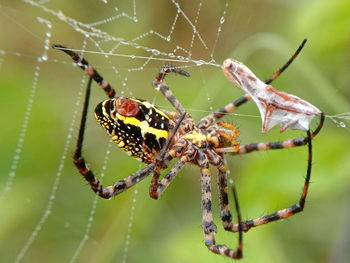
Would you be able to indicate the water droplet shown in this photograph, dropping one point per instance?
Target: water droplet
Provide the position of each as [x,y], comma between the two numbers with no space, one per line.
[199,62]
[155,51]
[341,124]
[222,20]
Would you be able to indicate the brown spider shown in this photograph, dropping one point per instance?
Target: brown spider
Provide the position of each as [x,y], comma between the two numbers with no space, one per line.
[155,137]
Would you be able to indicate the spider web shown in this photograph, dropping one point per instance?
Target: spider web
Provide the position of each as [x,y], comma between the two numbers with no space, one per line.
[47,213]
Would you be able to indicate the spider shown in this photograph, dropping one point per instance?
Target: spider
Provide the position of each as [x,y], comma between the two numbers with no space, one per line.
[155,137]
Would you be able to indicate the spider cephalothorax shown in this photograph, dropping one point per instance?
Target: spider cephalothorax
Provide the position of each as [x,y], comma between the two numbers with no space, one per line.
[156,136]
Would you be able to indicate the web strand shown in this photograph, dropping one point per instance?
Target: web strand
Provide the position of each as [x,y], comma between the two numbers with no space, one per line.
[139,49]
[28,111]
[57,176]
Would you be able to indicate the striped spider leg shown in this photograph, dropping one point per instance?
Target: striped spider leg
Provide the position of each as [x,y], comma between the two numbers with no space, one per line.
[225,212]
[155,137]
[196,146]
[127,110]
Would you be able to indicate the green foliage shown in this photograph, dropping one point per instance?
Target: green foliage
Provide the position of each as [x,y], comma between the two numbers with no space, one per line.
[263,34]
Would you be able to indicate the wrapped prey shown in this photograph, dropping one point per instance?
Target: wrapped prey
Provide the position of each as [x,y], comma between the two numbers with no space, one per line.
[276,107]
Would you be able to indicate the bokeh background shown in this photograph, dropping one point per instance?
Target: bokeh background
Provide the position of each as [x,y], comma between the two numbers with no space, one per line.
[48,212]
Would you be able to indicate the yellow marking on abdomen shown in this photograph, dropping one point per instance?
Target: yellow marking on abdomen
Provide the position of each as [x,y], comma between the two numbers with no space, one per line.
[144,126]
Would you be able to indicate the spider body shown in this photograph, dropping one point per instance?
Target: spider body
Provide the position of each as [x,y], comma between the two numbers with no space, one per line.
[135,125]
[200,144]
[141,129]
[156,137]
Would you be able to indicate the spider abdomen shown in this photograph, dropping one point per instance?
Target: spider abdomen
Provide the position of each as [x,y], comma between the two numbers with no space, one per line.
[137,126]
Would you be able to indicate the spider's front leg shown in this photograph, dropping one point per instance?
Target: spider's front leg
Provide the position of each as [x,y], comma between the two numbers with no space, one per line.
[218,114]
[286,212]
[296,208]
[160,83]
[157,188]
[280,214]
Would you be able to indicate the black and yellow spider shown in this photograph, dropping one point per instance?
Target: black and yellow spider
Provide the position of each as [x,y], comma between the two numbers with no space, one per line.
[155,137]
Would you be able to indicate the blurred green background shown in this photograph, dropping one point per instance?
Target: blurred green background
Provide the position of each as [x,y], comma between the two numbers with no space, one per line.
[132,227]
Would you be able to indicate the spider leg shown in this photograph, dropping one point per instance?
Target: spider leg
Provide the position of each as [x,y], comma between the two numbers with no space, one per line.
[164,157]
[165,182]
[208,225]
[225,213]
[286,65]
[160,83]
[218,114]
[280,214]
[84,65]
[287,212]
[85,171]
[211,118]
[263,146]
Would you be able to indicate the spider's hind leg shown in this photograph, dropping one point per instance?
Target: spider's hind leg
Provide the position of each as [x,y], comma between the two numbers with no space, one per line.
[90,70]
[85,171]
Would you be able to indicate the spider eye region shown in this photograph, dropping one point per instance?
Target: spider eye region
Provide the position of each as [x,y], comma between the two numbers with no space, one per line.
[136,126]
